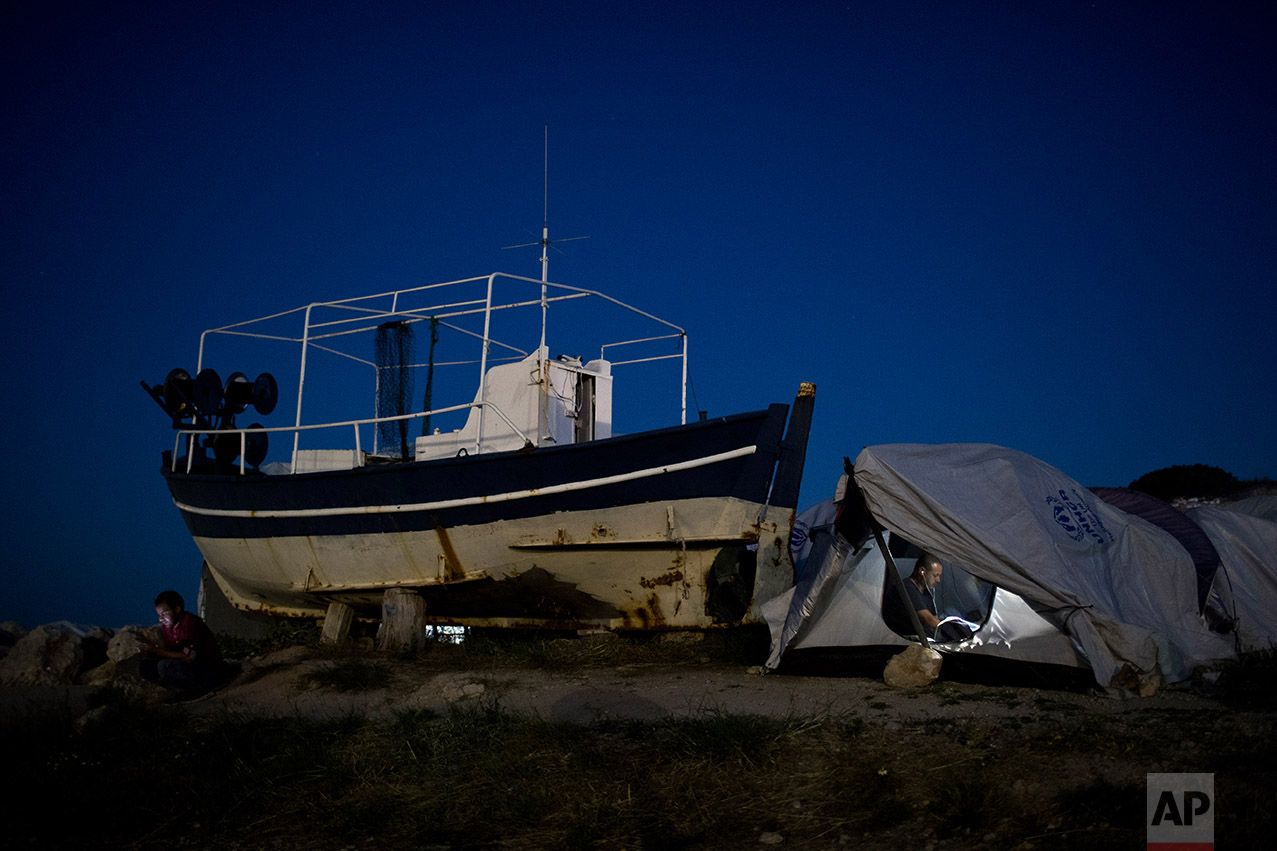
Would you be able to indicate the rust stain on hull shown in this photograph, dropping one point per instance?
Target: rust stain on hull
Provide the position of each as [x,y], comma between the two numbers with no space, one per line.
[452,569]
[664,579]
[647,616]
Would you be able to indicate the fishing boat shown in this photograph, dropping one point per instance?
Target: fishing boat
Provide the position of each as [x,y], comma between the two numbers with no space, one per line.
[516,504]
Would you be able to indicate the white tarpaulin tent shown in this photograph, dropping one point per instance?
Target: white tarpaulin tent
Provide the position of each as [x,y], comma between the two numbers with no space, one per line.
[1263,507]
[840,604]
[1247,545]
[1123,591]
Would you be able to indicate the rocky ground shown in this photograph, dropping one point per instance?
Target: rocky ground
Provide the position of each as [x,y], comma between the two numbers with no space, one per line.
[65,669]
[1068,767]
[282,683]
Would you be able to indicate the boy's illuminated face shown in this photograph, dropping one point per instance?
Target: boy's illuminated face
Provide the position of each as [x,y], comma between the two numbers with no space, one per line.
[167,616]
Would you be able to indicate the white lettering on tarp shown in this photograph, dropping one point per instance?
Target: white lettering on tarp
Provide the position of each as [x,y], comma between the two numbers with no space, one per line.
[1076,517]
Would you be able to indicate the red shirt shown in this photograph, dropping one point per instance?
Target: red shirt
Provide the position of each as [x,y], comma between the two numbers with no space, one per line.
[191,631]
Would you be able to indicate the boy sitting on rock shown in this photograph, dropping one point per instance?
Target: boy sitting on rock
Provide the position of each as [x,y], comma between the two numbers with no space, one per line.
[187,659]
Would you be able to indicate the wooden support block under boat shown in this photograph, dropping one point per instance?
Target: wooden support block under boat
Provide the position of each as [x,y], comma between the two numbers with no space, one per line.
[337,623]
[403,620]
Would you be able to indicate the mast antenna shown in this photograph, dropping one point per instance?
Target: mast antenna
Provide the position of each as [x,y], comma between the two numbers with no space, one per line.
[545,241]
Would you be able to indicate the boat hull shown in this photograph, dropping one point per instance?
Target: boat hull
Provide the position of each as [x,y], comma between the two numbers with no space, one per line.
[662,530]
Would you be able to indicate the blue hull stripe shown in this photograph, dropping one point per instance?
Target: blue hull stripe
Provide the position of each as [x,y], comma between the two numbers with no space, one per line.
[549,490]
[728,457]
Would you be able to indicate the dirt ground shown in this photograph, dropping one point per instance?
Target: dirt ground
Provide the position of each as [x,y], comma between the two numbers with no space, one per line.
[282,684]
[1080,758]
[277,684]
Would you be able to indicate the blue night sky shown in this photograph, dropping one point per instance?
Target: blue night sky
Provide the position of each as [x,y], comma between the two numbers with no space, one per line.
[1049,225]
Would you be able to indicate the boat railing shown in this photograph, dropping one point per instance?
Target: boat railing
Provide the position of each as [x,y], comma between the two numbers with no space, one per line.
[192,434]
[362,314]
[466,308]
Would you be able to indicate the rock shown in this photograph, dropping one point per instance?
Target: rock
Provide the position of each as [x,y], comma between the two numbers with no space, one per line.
[133,687]
[130,640]
[455,688]
[94,646]
[914,666]
[88,719]
[49,655]
[11,632]
[770,838]
[102,675]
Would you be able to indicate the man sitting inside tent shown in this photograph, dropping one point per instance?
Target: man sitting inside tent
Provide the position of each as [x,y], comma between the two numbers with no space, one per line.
[919,586]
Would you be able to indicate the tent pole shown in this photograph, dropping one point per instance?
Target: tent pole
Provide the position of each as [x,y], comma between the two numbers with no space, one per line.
[900,586]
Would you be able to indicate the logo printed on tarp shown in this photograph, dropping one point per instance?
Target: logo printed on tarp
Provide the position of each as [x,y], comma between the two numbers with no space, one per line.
[1077,519]
[1181,812]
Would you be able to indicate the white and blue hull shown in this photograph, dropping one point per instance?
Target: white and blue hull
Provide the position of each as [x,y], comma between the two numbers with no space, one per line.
[685,527]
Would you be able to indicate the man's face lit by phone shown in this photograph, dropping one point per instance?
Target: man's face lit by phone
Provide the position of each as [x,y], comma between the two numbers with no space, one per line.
[167,616]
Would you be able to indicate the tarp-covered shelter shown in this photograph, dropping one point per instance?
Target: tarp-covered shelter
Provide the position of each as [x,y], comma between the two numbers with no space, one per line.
[1264,507]
[839,604]
[1067,578]
[1247,544]
[1167,517]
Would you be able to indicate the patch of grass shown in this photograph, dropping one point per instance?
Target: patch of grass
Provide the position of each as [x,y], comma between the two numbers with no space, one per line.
[1082,733]
[850,726]
[950,696]
[348,676]
[1115,808]
[565,651]
[544,649]
[281,633]
[879,796]
[1047,703]
[424,779]
[1250,682]
[481,776]
[258,672]
[728,737]
[975,733]
[968,801]
[234,647]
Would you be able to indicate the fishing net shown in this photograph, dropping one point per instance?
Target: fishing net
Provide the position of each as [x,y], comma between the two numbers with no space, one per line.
[394,356]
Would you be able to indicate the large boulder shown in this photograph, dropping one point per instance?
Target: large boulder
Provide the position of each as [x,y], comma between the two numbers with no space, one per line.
[10,633]
[48,655]
[102,675]
[93,640]
[130,640]
[132,687]
[914,666]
